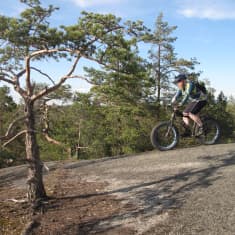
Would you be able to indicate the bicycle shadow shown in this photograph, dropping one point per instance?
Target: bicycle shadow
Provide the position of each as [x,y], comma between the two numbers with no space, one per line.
[151,199]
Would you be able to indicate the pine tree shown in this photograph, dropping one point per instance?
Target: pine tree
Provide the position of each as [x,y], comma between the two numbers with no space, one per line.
[164,59]
[29,38]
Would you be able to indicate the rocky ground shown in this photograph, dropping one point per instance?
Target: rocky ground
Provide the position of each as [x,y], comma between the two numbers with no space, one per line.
[186,191]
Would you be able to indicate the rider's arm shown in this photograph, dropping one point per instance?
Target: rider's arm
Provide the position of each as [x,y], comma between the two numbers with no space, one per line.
[176,97]
[189,88]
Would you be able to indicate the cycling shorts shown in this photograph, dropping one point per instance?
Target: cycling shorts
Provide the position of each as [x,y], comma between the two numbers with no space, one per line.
[195,107]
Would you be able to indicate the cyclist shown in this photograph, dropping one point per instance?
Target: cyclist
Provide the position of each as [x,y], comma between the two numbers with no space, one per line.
[190,93]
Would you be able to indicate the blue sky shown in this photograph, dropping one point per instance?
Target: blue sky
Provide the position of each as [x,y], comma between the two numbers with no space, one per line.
[205,30]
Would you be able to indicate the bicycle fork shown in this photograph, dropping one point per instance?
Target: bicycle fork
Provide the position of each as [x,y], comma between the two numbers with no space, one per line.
[170,126]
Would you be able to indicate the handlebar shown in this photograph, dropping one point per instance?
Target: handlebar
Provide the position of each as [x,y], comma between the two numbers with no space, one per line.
[176,110]
[174,107]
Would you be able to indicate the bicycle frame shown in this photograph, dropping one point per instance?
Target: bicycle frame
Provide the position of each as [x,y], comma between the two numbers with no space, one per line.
[173,118]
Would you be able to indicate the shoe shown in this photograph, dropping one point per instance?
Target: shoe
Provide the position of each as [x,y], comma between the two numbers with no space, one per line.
[200,131]
[187,133]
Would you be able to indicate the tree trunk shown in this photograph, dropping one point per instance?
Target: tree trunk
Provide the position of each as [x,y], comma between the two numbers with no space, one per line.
[158,88]
[1,133]
[36,190]
[159,75]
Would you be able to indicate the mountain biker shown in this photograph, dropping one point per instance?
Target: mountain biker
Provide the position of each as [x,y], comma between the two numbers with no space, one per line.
[189,93]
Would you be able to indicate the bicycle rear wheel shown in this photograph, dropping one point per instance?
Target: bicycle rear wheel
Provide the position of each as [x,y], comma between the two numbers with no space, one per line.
[212,132]
[164,136]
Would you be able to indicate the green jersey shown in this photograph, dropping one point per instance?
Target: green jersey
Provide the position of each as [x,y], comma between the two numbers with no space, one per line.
[189,94]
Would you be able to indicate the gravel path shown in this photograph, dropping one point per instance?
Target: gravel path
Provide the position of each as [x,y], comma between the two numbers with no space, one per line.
[186,191]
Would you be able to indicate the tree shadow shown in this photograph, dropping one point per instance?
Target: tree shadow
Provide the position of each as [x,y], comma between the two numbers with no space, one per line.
[155,197]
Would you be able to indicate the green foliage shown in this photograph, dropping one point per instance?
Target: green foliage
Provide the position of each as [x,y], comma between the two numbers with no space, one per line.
[105,130]
[164,59]
[8,109]
[6,101]
[101,38]
[218,108]
[26,34]
[118,113]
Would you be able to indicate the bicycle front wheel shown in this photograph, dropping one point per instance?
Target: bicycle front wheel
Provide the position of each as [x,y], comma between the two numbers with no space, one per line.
[164,136]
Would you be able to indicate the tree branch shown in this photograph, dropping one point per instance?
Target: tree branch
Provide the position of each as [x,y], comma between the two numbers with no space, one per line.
[14,137]
[100,61]
[68,75]
[171,71]
[50,51]
[17,87]
[79,137]
[52,141]
[57,85]
[10,127]
[105,33]
[44,74]
[28,80]
[7,73]
[44,51]
[2,78]
[46,128]
[83,78]
[20,74]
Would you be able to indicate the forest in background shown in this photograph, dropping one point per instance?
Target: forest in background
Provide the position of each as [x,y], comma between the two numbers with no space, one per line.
[116,116]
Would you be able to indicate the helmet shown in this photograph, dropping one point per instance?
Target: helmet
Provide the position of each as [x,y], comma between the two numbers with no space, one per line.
[180,77]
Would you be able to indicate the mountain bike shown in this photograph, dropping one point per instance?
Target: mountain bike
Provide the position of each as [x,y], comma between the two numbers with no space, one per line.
[165,136]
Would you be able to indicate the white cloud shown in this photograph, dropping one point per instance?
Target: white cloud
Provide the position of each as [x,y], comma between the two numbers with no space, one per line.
[207,9]
[92,3]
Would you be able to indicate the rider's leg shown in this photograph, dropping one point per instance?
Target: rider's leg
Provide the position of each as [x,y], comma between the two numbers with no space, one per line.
[186,122]
[187,116]
[196,118]
[194,115]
